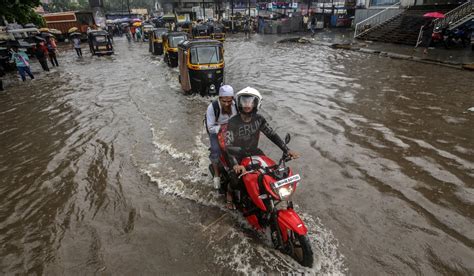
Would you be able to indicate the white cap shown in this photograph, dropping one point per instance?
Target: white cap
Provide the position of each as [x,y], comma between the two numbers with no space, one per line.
[226,91]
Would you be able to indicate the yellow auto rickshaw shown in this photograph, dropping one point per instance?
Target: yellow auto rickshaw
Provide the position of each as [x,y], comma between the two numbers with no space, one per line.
[156,41]
[170,46]
[201,66]
[202,31]
[218,32]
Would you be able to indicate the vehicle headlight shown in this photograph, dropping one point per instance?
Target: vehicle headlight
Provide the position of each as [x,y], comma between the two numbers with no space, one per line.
[284,188]
[285,192]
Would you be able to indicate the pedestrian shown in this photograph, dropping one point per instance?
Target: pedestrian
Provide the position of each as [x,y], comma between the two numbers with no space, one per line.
[41,53]
[305,22]
[51,45]
[2,73]
[21,60]
[261,25]
[139,33]
[76,41]
[133,31]
[247,29]
[427,33]
[313,25]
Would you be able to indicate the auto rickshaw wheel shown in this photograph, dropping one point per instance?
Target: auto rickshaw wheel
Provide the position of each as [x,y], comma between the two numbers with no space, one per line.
[166,59]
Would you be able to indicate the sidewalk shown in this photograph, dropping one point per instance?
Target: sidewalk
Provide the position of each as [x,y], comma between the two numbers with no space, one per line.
[460,58]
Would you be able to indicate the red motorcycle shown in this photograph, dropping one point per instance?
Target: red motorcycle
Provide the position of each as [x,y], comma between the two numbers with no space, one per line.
[263,195]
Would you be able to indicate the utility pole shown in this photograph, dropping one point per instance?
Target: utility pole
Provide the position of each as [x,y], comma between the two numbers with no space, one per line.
[232,14]
[128,6]
[203,11]
[249,8]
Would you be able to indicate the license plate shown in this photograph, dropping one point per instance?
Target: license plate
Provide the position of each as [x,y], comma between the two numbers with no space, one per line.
[102,47]
[288,180]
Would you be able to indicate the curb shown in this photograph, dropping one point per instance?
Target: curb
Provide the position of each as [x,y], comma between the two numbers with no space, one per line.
[450,64]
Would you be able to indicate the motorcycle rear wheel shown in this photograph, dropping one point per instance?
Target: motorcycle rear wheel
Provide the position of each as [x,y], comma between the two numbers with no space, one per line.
[299,248]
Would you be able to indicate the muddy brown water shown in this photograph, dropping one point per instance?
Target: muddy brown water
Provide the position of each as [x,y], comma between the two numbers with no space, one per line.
[103,165]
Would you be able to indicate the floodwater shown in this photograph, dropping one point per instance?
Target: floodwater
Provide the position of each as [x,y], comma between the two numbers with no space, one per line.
[103,165]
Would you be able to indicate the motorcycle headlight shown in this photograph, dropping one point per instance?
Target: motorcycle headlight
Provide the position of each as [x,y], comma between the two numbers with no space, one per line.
[284,188]
[212,87]
[285,192]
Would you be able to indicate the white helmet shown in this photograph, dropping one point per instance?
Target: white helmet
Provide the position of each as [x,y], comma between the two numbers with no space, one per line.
[248,96]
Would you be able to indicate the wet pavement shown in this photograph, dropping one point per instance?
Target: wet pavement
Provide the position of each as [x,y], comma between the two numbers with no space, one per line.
[456,55]
[103,165]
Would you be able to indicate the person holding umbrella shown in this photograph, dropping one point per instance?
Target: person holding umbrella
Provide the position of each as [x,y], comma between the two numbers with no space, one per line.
[41,53]
[76,42]
[427,29]
[51,45]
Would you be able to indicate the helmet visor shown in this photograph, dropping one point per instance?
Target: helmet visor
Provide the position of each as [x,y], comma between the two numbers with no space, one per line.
[248,101]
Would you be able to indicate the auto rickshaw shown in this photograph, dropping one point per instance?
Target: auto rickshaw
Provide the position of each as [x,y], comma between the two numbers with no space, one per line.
[147,29]
[100,43]
[170,46]
[201,66]
[184,26]
[202,31]
[218,32]
[156,41]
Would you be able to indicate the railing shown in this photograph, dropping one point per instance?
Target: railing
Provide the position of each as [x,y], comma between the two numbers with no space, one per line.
[456,15]
[365,25]
[419,39]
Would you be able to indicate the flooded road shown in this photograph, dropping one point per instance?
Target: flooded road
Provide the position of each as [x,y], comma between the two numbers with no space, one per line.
[103,165]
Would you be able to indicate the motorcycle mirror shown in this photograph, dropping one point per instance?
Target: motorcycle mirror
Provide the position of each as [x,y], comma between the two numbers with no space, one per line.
[287,138]
[234,150]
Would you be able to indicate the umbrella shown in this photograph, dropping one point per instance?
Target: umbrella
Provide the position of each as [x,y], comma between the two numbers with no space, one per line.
[73,29]
[434,15]
[124,24]
[43,30]
[75,34]
[39,38]
[136,20]
[30,25]
[43,34]
[137,24]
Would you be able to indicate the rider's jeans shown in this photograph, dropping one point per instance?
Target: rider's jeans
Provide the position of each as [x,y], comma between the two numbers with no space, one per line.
[215,151]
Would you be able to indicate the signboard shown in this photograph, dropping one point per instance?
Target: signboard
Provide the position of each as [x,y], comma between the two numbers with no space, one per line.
[277,5]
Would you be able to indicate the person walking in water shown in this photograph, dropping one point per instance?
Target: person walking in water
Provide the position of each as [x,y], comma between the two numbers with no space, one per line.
[51,45]
[41,53]
[22,63]
[76,41]
[2,73]
[313,24]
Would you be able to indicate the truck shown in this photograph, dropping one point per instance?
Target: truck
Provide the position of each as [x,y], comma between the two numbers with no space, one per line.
[64,21]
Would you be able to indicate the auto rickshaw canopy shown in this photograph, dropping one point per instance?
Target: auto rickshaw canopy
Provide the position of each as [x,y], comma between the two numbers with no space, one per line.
[205,51]
[171,38]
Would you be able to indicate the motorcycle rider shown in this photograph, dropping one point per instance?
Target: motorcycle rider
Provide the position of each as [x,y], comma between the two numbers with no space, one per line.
[244,130]
[218,113]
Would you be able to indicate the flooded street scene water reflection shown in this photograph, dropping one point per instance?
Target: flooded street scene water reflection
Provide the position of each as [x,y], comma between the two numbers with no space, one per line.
[104,165]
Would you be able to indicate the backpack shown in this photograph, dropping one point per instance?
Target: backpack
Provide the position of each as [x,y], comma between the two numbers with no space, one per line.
[217,112]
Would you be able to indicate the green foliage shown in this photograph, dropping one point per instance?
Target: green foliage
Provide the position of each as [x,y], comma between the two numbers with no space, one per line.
[117,5]
[66,5]
[20,11]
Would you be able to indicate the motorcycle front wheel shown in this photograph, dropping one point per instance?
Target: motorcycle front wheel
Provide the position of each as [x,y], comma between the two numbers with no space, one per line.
[299,248]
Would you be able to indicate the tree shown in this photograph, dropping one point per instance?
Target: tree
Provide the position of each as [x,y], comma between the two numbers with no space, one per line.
[66,5]
[21,11]
[117,5]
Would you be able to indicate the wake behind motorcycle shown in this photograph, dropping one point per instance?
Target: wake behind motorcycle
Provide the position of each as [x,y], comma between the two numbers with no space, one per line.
[263,195]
